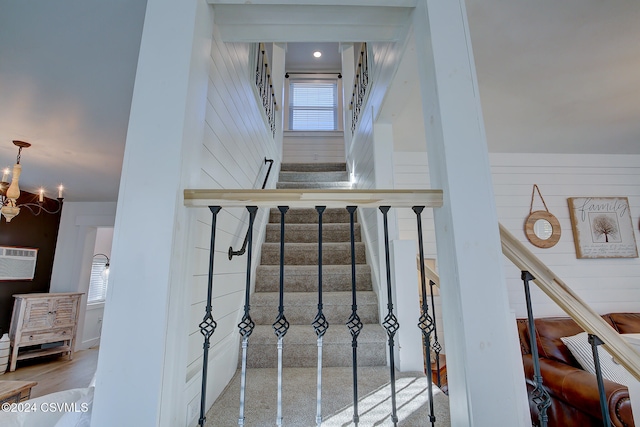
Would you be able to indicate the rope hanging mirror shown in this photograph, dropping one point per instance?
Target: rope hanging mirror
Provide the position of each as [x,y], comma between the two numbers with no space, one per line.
[541,227]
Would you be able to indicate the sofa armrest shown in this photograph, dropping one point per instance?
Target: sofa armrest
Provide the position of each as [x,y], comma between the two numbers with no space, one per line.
[579,389]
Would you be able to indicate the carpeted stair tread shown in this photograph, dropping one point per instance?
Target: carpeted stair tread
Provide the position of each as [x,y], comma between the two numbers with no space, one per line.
[312,167]
[308,233]
[328,185]
[323,176]
[310,216]
[307,253]
[300,347]
[304,278]
[300,308]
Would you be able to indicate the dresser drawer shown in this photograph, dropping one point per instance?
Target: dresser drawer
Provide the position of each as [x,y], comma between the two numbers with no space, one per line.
[29,338]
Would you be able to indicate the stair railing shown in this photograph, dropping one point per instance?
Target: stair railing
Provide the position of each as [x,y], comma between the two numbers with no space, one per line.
[360,84]
[318,199]
[264,85]
[427,323]
[243,249]
[599,331]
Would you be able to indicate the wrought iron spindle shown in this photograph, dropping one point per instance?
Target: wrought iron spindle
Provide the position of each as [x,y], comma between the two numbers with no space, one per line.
[320,324]
[435,346]
[258,62]
[595,341]
[426,321]
[354,323]
[390,321]
[246,325]
[281,325]
[540,396]
[208,325]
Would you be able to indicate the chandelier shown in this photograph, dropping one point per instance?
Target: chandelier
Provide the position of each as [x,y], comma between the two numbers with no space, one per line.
[9,192]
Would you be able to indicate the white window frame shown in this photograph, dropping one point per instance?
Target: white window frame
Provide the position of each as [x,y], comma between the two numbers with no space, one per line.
[314,77]
[98,281]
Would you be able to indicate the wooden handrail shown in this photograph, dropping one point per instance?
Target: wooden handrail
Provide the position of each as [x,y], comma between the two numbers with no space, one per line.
[310,198]
[570,302]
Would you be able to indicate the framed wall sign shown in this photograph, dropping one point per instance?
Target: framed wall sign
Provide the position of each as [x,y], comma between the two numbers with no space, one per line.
[602,227]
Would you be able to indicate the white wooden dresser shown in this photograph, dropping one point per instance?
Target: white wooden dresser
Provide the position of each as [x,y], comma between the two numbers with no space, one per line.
[42,319]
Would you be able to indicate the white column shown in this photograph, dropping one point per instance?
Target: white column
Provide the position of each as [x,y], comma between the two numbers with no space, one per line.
[407,305]
[485,385]
[142,362]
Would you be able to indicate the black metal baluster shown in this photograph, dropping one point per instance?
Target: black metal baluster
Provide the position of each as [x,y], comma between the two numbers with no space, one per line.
[425,322]
[354,323]
[246,325]
[320,324]
[208,325]
[595,341]
[258,61]
[281,325]
[390,321]
[437,348]
[540,396]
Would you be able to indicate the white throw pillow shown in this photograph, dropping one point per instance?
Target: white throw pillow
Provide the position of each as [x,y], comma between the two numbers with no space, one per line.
[580,348]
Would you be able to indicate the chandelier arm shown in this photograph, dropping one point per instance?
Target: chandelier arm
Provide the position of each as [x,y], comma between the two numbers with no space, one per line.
[41,208]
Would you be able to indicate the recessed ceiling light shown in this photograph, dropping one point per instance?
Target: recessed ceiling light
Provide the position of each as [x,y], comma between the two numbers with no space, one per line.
[317,54]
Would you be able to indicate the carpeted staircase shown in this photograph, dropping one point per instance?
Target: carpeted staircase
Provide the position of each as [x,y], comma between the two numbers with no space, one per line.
[301,282]
[300,352]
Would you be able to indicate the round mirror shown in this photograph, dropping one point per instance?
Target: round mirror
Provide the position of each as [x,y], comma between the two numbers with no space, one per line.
[542,229]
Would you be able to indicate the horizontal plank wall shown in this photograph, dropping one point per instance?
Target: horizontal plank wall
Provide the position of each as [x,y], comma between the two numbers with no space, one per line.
[608,285]
[310,147]
[236,141]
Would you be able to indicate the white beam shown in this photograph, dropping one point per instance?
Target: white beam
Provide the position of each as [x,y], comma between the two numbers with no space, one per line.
[228,198]
[309,23]
[486,387]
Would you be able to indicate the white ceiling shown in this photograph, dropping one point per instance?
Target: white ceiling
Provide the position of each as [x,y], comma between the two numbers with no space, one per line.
[554,76]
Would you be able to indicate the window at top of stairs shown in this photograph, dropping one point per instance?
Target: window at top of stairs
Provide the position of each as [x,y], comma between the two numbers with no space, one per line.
[313,104]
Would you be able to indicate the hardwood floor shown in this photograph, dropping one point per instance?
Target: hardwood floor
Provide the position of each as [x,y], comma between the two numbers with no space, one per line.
[56,373]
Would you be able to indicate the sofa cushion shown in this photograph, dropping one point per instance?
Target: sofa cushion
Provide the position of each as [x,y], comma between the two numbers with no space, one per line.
[549,330]
[581,349]
[523,334]
[548,333]
[626,323]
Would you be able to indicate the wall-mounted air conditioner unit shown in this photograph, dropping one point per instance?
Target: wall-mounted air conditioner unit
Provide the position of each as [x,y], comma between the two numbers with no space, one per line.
[17,263]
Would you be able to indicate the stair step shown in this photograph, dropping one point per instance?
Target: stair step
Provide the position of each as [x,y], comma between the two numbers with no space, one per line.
[304,278]
[307,253]
[308,233]
[300,308]
[339,185]
[313,167]
[325,176]
[301,350]
[310,216]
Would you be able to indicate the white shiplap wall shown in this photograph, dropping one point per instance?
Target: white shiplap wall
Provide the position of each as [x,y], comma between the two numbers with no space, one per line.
[310,147]
[236,141]
[606,284]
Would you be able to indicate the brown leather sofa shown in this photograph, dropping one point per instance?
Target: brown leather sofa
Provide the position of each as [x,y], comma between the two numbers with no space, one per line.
[573,391]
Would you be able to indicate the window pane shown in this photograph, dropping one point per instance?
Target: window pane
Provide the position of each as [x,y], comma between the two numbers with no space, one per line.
[313,105]
[98,282]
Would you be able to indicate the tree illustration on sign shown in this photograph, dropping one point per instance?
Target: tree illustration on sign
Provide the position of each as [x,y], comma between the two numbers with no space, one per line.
[604,225]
